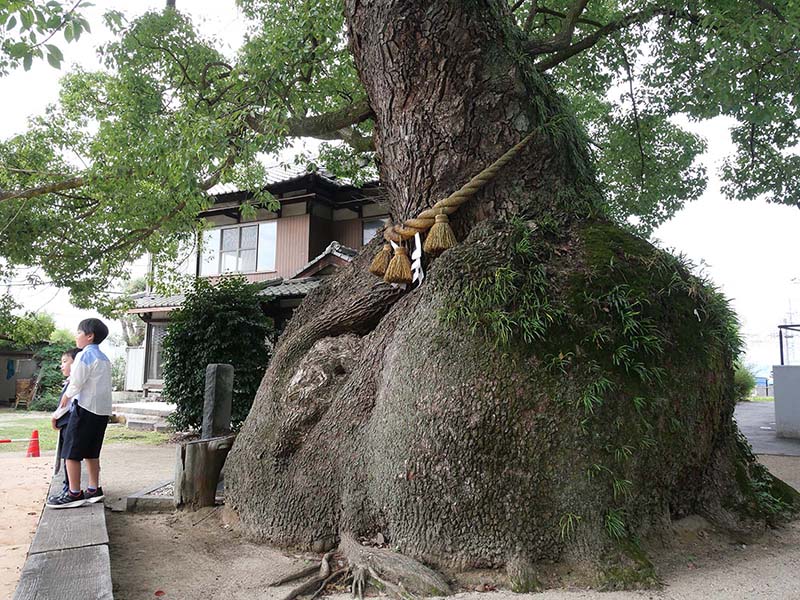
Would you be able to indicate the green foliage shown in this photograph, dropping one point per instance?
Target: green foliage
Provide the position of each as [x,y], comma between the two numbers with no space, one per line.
[51,381]
[744,382]
[567,524]
[46,402]
[23,330]
[133,328]
[615,524]
[28,26]
[118,366]
[221,323]
[701,60]
[762,493]
[62,336]
[171,113]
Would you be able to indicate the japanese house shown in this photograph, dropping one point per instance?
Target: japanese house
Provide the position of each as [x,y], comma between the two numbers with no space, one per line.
[319,226]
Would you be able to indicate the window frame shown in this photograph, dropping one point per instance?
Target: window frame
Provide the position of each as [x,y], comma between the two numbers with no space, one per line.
[150,348]
[383,222]
[220,253]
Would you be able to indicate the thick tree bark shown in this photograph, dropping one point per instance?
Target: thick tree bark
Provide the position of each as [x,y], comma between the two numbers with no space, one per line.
[381,413]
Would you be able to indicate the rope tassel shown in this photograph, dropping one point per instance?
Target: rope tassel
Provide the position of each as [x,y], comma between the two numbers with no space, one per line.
[441,236]
[381,261]
[399,269]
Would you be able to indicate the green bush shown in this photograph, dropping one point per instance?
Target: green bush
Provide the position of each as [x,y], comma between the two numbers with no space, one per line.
[49,359]
[743,382]
[118,372]
[47,402]
[221,323]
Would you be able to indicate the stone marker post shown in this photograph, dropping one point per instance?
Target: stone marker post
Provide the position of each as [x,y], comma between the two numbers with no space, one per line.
[218,400]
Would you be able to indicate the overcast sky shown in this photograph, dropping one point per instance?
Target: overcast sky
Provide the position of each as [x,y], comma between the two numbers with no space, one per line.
[749,249]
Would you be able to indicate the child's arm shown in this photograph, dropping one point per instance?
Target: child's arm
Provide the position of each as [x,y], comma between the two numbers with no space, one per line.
[77,378]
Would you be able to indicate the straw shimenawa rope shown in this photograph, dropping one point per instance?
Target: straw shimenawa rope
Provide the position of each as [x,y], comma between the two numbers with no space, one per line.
[447,206]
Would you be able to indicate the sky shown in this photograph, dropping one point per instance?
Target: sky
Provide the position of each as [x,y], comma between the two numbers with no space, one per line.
[748,249]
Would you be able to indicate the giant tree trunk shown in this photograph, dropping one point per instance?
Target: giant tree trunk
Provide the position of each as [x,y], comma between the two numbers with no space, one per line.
[555,388]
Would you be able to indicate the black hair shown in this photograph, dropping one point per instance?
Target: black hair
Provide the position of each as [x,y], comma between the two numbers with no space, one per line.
[96,327]
[72,352]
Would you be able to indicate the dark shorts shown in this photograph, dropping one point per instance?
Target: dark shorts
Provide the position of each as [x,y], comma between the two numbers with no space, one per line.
[83,435]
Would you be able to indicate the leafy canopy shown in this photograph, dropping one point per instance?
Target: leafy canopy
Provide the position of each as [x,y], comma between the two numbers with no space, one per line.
[23,330]
[27,29]
[122,164]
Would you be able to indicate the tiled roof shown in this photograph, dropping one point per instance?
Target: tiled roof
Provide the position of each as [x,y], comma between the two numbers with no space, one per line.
[334,249]
[280,174]
[292,287]
[152,301]
[276,288]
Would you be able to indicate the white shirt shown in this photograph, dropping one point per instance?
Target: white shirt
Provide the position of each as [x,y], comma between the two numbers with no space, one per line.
[90,380]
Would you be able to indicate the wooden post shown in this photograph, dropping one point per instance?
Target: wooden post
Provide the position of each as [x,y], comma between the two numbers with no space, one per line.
[217,401]
[197,471]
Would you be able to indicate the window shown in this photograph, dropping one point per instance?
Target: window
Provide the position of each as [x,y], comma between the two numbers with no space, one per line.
[155,352]
[240,249]
[371,228]
[267,243]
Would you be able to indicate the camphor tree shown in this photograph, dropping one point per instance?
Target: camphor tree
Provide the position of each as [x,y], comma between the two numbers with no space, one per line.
[557,387]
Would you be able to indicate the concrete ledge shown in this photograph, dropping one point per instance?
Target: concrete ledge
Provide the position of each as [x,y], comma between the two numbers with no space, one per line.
[146,501]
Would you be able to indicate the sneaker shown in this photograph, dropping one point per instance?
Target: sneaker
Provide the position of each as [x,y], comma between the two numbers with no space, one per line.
[66,500]
[95,496]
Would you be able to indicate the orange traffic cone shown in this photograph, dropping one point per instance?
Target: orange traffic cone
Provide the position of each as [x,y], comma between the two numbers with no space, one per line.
[33,445]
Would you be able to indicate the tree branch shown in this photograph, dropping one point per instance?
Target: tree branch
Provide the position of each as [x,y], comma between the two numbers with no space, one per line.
[636,18]
[531,16]
[67,184]
[549,11]
[564,37]
[771,8]
[357,141]
[324,126]
[636,120]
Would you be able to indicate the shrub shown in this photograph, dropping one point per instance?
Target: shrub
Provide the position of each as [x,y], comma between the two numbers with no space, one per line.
[743,382]
[46,402]
[51,379]
[118,373]
[221,323]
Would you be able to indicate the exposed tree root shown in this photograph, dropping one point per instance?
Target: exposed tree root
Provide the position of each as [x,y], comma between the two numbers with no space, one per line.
[399,575]
[313,585]
[359,582]
[330,579]
[301,574]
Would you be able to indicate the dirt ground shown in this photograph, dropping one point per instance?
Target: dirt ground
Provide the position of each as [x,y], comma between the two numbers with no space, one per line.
[197,555]
[23,487]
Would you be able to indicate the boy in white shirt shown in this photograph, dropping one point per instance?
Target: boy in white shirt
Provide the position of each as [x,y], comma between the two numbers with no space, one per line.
[90,381]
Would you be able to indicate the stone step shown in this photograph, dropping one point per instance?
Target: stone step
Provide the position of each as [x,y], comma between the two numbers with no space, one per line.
[158,409]
[128,417]
[119,397]
[159,426]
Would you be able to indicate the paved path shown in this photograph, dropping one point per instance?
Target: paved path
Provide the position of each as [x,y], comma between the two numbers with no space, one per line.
[757,422]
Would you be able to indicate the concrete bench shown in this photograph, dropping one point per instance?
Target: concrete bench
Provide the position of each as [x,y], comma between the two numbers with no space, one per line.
[68,556]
